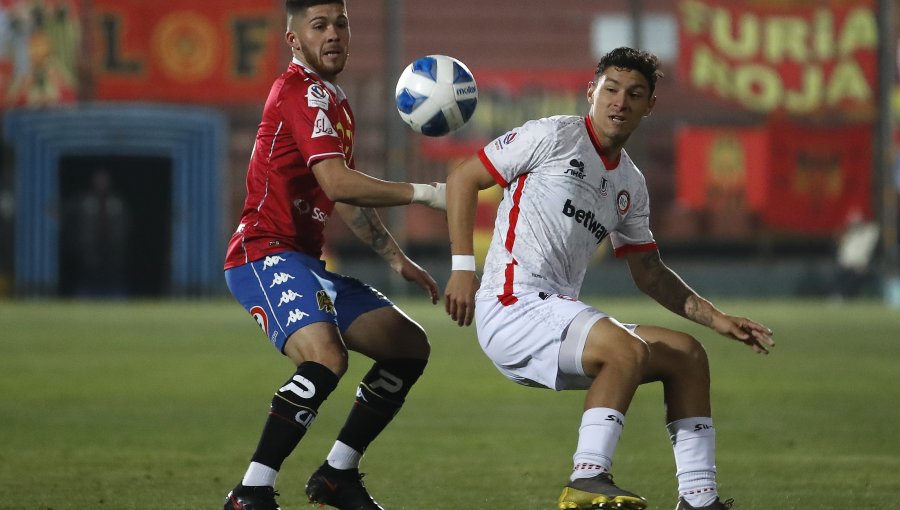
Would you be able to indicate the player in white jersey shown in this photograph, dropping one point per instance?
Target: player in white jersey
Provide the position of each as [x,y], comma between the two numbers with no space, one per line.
[568,183]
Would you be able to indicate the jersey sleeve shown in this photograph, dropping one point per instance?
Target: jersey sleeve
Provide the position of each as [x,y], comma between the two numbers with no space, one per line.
[633,233]
[311,113]
[518,151]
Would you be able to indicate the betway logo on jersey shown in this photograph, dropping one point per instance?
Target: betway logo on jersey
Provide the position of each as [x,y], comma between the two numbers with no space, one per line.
[586,219]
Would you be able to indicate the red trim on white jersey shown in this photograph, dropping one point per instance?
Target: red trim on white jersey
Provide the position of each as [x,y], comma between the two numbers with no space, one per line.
[610,165]
[634,248]
[491,168]
[507,298]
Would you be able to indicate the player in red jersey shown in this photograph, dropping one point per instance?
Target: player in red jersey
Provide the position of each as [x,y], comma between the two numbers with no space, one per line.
[301,171]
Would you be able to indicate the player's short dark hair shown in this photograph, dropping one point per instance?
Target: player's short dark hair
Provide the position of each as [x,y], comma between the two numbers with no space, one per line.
[298,6]
[643,62]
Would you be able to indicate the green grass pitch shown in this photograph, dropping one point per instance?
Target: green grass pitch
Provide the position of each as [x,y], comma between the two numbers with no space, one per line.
[158,405]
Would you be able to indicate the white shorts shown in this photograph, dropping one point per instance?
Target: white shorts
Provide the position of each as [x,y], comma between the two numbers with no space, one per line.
[538,340]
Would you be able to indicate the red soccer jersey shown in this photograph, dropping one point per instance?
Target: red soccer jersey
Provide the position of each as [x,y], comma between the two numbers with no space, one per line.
[305,120]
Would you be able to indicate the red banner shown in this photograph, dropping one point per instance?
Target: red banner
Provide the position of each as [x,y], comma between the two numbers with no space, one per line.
[227,51]
[796,57]
[722,169]
[818,177]
[793,178]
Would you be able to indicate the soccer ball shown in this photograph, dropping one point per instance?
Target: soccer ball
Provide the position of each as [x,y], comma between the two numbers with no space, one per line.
[436,95]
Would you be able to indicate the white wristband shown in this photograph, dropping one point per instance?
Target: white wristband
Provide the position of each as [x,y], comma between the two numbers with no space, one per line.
[462,263]
[432,195]
[422,193]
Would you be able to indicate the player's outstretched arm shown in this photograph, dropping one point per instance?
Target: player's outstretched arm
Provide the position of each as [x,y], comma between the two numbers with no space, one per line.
[463,185]
[345,185]
[662,284]
[368,227]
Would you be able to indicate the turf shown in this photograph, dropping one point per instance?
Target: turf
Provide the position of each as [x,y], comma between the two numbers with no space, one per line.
[158,405]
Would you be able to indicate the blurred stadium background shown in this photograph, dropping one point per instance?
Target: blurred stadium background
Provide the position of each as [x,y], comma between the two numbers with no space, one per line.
[776,125]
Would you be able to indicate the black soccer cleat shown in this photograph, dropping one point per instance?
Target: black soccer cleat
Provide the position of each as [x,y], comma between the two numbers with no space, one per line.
[251,498]
[340,488]
[716,505]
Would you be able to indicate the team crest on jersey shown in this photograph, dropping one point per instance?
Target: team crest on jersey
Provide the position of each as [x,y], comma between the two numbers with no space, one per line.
[259,315]
[604,187]
[324,302]
[623,202]
[322,126]
[316,97]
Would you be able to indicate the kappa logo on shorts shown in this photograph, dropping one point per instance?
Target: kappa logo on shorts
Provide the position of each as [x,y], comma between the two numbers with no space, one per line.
[259,315]
[296,315]
[288,296]
[272,261]
[280,278]
[324,302]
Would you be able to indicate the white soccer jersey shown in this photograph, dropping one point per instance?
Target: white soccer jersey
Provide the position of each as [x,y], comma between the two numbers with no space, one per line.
[561,199]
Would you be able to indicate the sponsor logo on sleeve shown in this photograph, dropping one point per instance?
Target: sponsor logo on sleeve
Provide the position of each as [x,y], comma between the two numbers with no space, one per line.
[505,140]
[316,97]
[322,126]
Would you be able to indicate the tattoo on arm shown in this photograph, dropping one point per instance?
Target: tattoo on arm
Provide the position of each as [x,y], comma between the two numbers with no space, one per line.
[698,310]
[669,290]
[369,228]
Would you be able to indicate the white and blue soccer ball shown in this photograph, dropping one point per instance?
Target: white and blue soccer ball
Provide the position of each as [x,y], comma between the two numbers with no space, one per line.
[436,95]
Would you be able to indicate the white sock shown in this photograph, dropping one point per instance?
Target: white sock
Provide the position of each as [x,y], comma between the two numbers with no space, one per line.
[694,444]
[342,456]
[598,437]
[259,475]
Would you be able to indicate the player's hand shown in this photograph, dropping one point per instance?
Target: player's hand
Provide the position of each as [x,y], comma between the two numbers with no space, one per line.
[459,296]
[744,330]
[412,272]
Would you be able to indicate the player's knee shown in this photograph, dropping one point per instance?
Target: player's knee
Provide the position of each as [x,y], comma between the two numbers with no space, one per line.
[421,346]
[329,354]
[694,353]
[412,342]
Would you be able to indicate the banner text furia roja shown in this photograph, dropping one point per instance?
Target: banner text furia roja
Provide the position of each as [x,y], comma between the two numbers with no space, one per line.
[800,58]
